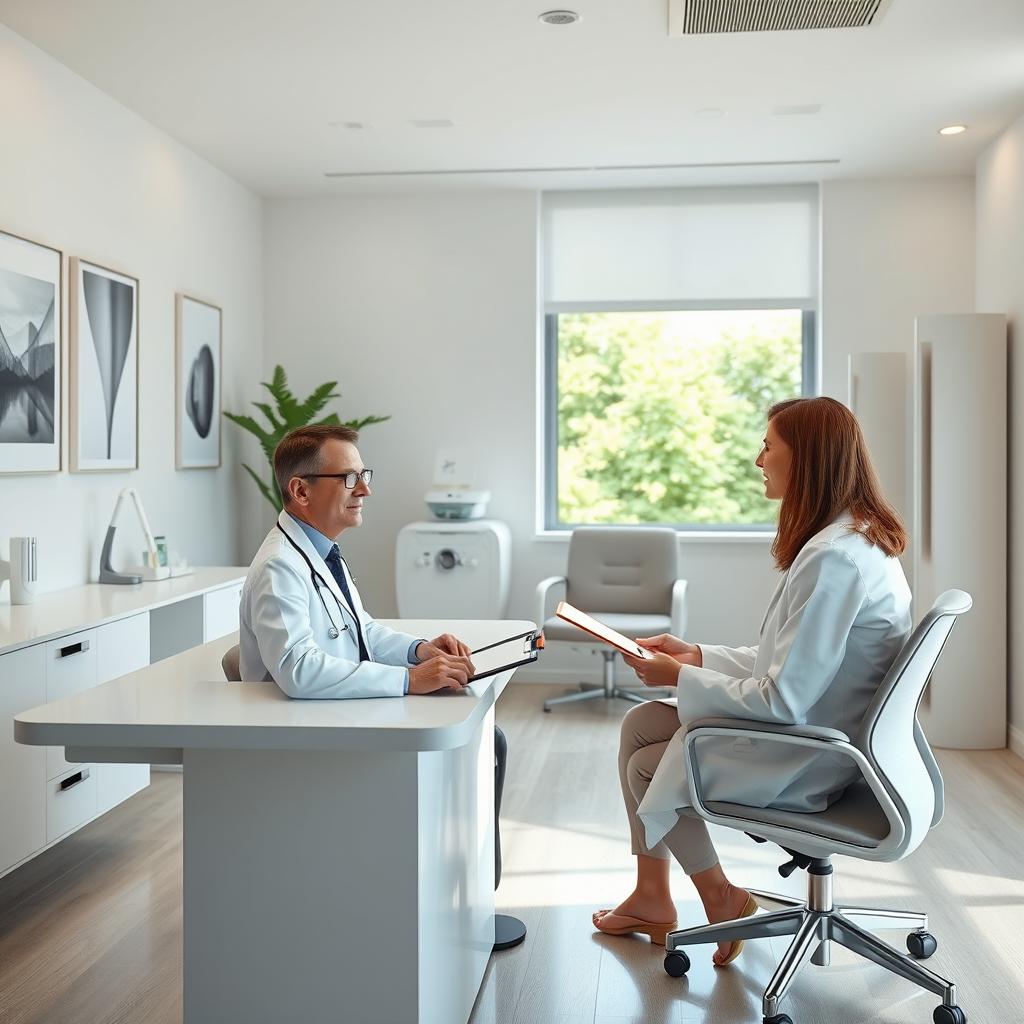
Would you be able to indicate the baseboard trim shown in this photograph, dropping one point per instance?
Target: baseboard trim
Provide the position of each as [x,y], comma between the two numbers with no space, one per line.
[1017,741]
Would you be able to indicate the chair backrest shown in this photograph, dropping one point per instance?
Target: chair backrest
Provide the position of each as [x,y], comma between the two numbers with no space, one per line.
[229,663]
[890,734]
[624,569]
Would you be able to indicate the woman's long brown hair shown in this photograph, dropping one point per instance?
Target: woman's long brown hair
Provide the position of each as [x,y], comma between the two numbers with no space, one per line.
[831,473]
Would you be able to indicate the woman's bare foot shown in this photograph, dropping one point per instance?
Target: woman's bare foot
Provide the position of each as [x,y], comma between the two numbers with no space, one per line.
[724,904]
[656,908]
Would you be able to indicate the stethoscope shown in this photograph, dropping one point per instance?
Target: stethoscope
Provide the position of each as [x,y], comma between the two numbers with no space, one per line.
[318,584]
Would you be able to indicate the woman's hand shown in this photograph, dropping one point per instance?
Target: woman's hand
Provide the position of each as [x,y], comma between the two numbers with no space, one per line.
[665,643]
[659,670]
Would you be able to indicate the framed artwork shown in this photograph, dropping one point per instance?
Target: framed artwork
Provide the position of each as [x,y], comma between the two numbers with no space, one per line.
[31,355]
[199,327]
[104,405]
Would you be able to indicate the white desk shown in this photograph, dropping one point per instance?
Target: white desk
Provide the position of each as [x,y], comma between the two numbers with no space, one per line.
[338,855]
[73,640]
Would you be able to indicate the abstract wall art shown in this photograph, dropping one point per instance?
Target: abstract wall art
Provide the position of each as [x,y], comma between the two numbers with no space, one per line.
[104,368]
[197,417]
[30,356]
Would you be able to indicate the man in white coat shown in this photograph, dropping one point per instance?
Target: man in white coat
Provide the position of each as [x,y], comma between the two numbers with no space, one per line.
[301,622]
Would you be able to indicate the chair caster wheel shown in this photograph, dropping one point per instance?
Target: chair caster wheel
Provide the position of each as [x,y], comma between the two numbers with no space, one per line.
[547,711]
[677,963]
[779,1018]
[949,1015]
[921,945]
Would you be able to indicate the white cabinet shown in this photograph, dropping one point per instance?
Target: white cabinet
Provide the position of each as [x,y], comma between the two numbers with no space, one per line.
[121,647]
[220,612]
[22,769]
[70,669]
[70,800]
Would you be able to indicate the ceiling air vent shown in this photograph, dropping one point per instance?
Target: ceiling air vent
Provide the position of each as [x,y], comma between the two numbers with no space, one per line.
[699,17]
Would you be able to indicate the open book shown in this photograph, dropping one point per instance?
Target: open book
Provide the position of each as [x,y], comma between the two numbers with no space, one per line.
[581,620]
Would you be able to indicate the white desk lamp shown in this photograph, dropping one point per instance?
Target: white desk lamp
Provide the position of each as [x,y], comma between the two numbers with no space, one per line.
[153,571]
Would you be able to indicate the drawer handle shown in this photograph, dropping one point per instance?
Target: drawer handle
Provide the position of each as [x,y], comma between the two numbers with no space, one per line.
[74,780]
[78,648]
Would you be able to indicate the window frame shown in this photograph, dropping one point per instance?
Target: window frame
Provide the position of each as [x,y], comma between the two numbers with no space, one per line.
[550,525]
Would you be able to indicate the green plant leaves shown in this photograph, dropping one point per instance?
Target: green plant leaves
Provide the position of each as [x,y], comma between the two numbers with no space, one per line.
[287,414]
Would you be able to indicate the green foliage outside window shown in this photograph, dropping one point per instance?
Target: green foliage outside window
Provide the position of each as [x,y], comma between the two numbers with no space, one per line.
[660,415]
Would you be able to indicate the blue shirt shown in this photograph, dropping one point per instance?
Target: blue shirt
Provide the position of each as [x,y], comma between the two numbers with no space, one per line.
[323,545]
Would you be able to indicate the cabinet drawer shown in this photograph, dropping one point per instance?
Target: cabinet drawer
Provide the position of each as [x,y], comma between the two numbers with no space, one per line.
[117,782]
[70,800]
[122,647]
[22,768]
[70,665]
[220,612]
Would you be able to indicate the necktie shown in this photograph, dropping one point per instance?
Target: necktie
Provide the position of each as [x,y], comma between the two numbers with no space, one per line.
[333,561]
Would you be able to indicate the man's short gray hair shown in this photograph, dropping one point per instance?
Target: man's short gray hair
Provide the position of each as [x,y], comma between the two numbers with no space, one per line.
[298,453]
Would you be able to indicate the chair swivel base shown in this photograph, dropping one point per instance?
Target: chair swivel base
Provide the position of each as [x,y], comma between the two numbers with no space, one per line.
[607,689]
[814,924]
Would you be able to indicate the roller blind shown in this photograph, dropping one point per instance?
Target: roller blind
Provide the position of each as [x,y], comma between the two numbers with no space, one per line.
[680,247]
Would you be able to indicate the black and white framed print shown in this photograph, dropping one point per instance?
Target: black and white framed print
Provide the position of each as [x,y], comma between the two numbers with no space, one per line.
[104,368]
[197,416]
[30,356]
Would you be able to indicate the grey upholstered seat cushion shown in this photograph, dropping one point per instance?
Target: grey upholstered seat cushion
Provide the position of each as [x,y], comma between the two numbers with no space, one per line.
[855,818]
[629,625]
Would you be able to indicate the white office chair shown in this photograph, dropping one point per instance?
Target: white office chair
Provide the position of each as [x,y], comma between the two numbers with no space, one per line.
[628,578]
[884,816]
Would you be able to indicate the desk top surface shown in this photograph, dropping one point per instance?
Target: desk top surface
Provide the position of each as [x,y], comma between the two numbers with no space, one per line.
[60,612]
[183,702]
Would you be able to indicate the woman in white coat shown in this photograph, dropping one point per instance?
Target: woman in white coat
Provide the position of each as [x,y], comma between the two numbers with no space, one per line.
[837,619]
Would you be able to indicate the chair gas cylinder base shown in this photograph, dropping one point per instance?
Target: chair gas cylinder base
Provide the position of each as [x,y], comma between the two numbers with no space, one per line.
[882,817]
[814,924]
[607,689]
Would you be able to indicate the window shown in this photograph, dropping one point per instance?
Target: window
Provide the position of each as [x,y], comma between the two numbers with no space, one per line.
[660,364]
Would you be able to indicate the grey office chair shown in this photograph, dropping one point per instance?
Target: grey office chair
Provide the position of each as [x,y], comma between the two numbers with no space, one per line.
[229,663]
[627,577]
[884,816]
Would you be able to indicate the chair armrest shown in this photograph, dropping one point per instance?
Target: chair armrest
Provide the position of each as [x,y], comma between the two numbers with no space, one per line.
[745,725]
[823,740]
[542,597]
[679,609]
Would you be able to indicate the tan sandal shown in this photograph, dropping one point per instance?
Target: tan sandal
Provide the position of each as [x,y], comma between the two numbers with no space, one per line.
[656,931]
[749,908]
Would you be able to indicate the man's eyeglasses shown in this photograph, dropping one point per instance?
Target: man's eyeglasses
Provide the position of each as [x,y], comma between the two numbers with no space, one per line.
[348,479]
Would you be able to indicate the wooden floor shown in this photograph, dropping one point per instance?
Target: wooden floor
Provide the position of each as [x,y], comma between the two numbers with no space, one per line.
[90,931]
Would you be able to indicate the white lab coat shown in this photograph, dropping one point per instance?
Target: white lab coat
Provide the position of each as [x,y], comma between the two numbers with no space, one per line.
[283,628]
[836,622]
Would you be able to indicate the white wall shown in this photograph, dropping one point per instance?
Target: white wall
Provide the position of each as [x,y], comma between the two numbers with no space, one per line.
[891,250]
[83,174]
[1000,289]
[425,307]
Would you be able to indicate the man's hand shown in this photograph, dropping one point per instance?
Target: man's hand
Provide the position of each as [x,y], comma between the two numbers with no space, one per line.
[441,672]
[660,670]
[665,643]
[443,644]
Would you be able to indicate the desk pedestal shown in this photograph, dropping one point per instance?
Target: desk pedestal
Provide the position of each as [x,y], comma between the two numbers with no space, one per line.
[338,886]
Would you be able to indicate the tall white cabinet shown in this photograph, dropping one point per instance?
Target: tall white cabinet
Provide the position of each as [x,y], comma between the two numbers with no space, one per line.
[942,421]
[960,518]
[71,641]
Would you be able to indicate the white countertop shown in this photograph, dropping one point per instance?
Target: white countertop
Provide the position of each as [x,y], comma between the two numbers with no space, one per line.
[184,702]
[64,611]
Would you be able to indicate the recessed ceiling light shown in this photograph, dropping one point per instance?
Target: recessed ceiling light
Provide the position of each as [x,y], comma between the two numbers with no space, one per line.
[709,112]
[953,129]
[559,17]
[350,126]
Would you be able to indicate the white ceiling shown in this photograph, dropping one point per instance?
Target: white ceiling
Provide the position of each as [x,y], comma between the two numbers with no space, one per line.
[252,85]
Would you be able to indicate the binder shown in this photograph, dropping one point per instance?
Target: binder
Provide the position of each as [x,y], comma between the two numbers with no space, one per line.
[506,654]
